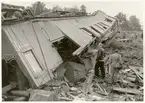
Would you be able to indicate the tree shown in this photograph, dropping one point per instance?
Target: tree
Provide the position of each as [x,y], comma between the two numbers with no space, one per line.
[73,9]
[124,23]
[38,8]
[65,9]
[57,8]
[46,10]
[135,24]
[131,24]
[83,9]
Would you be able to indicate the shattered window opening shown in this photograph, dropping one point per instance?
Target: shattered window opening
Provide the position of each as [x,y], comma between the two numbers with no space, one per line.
[65,48]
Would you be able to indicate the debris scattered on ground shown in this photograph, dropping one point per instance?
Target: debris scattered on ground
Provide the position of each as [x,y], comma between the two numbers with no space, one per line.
[128,88]
[74,78]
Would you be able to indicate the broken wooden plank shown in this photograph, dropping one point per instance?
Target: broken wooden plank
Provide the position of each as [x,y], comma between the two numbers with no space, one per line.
[136,72]
[126,70]
[130,79]
[128,83]
[20,93]
[99,87]
[87,84]
[64,99]
[9,97]
[20,99]
[8,87]
[131,75]
[42,95]
[102,93]
[126,90]
[105,90]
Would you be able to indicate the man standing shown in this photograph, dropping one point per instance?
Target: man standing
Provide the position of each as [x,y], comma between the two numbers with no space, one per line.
[100,62]
[115,62]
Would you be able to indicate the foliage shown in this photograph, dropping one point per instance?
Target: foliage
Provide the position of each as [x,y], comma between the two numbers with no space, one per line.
[57,8]
[83,9]
[39,8]
[134,21]
[131,24]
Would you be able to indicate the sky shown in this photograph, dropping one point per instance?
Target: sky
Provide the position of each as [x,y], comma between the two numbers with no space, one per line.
[110,7]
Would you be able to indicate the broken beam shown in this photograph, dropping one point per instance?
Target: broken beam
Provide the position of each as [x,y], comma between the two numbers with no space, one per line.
[20,93]
[102,93]
[136,72]
[130,79]
[20,99]
[9,87]
[126,90]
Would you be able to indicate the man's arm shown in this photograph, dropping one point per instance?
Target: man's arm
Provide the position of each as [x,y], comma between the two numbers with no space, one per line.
[98,55]
[106,59]
[121,61]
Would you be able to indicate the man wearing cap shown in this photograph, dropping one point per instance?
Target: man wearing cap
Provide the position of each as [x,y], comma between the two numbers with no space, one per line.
[100,62]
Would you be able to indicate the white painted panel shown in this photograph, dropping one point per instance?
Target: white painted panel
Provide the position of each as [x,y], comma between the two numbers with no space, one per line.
[33,62]
[51,30]
[74,33]
[51,56]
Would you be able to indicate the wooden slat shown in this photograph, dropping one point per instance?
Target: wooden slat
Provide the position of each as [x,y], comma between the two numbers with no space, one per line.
[98,29]
[126,90]
[93,32]
[20,93]
[130,79]
[8,87]
[20,99]
[136,72]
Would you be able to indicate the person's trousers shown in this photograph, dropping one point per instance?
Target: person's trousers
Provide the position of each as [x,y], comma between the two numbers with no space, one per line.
[100,64]
[114,74]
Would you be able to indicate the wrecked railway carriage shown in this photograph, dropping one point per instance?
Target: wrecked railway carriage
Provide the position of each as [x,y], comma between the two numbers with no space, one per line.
[41,45]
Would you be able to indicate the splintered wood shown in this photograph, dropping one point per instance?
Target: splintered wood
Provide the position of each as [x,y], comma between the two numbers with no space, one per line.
[8,87]
[126,90]
[87,84]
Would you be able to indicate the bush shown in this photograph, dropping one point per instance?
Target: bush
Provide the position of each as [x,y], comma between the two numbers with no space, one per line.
[116,45]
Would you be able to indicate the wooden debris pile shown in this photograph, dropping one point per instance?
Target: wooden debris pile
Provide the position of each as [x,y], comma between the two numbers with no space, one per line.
[128,88]
[131,83]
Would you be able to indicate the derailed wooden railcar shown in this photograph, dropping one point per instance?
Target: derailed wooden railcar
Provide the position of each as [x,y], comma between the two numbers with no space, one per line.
[35,43]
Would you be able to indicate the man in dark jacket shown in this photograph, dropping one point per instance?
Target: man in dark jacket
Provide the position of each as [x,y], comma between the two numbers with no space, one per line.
[100,62]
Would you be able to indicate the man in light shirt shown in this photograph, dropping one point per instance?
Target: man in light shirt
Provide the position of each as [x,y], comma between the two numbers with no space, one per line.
[115,62]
